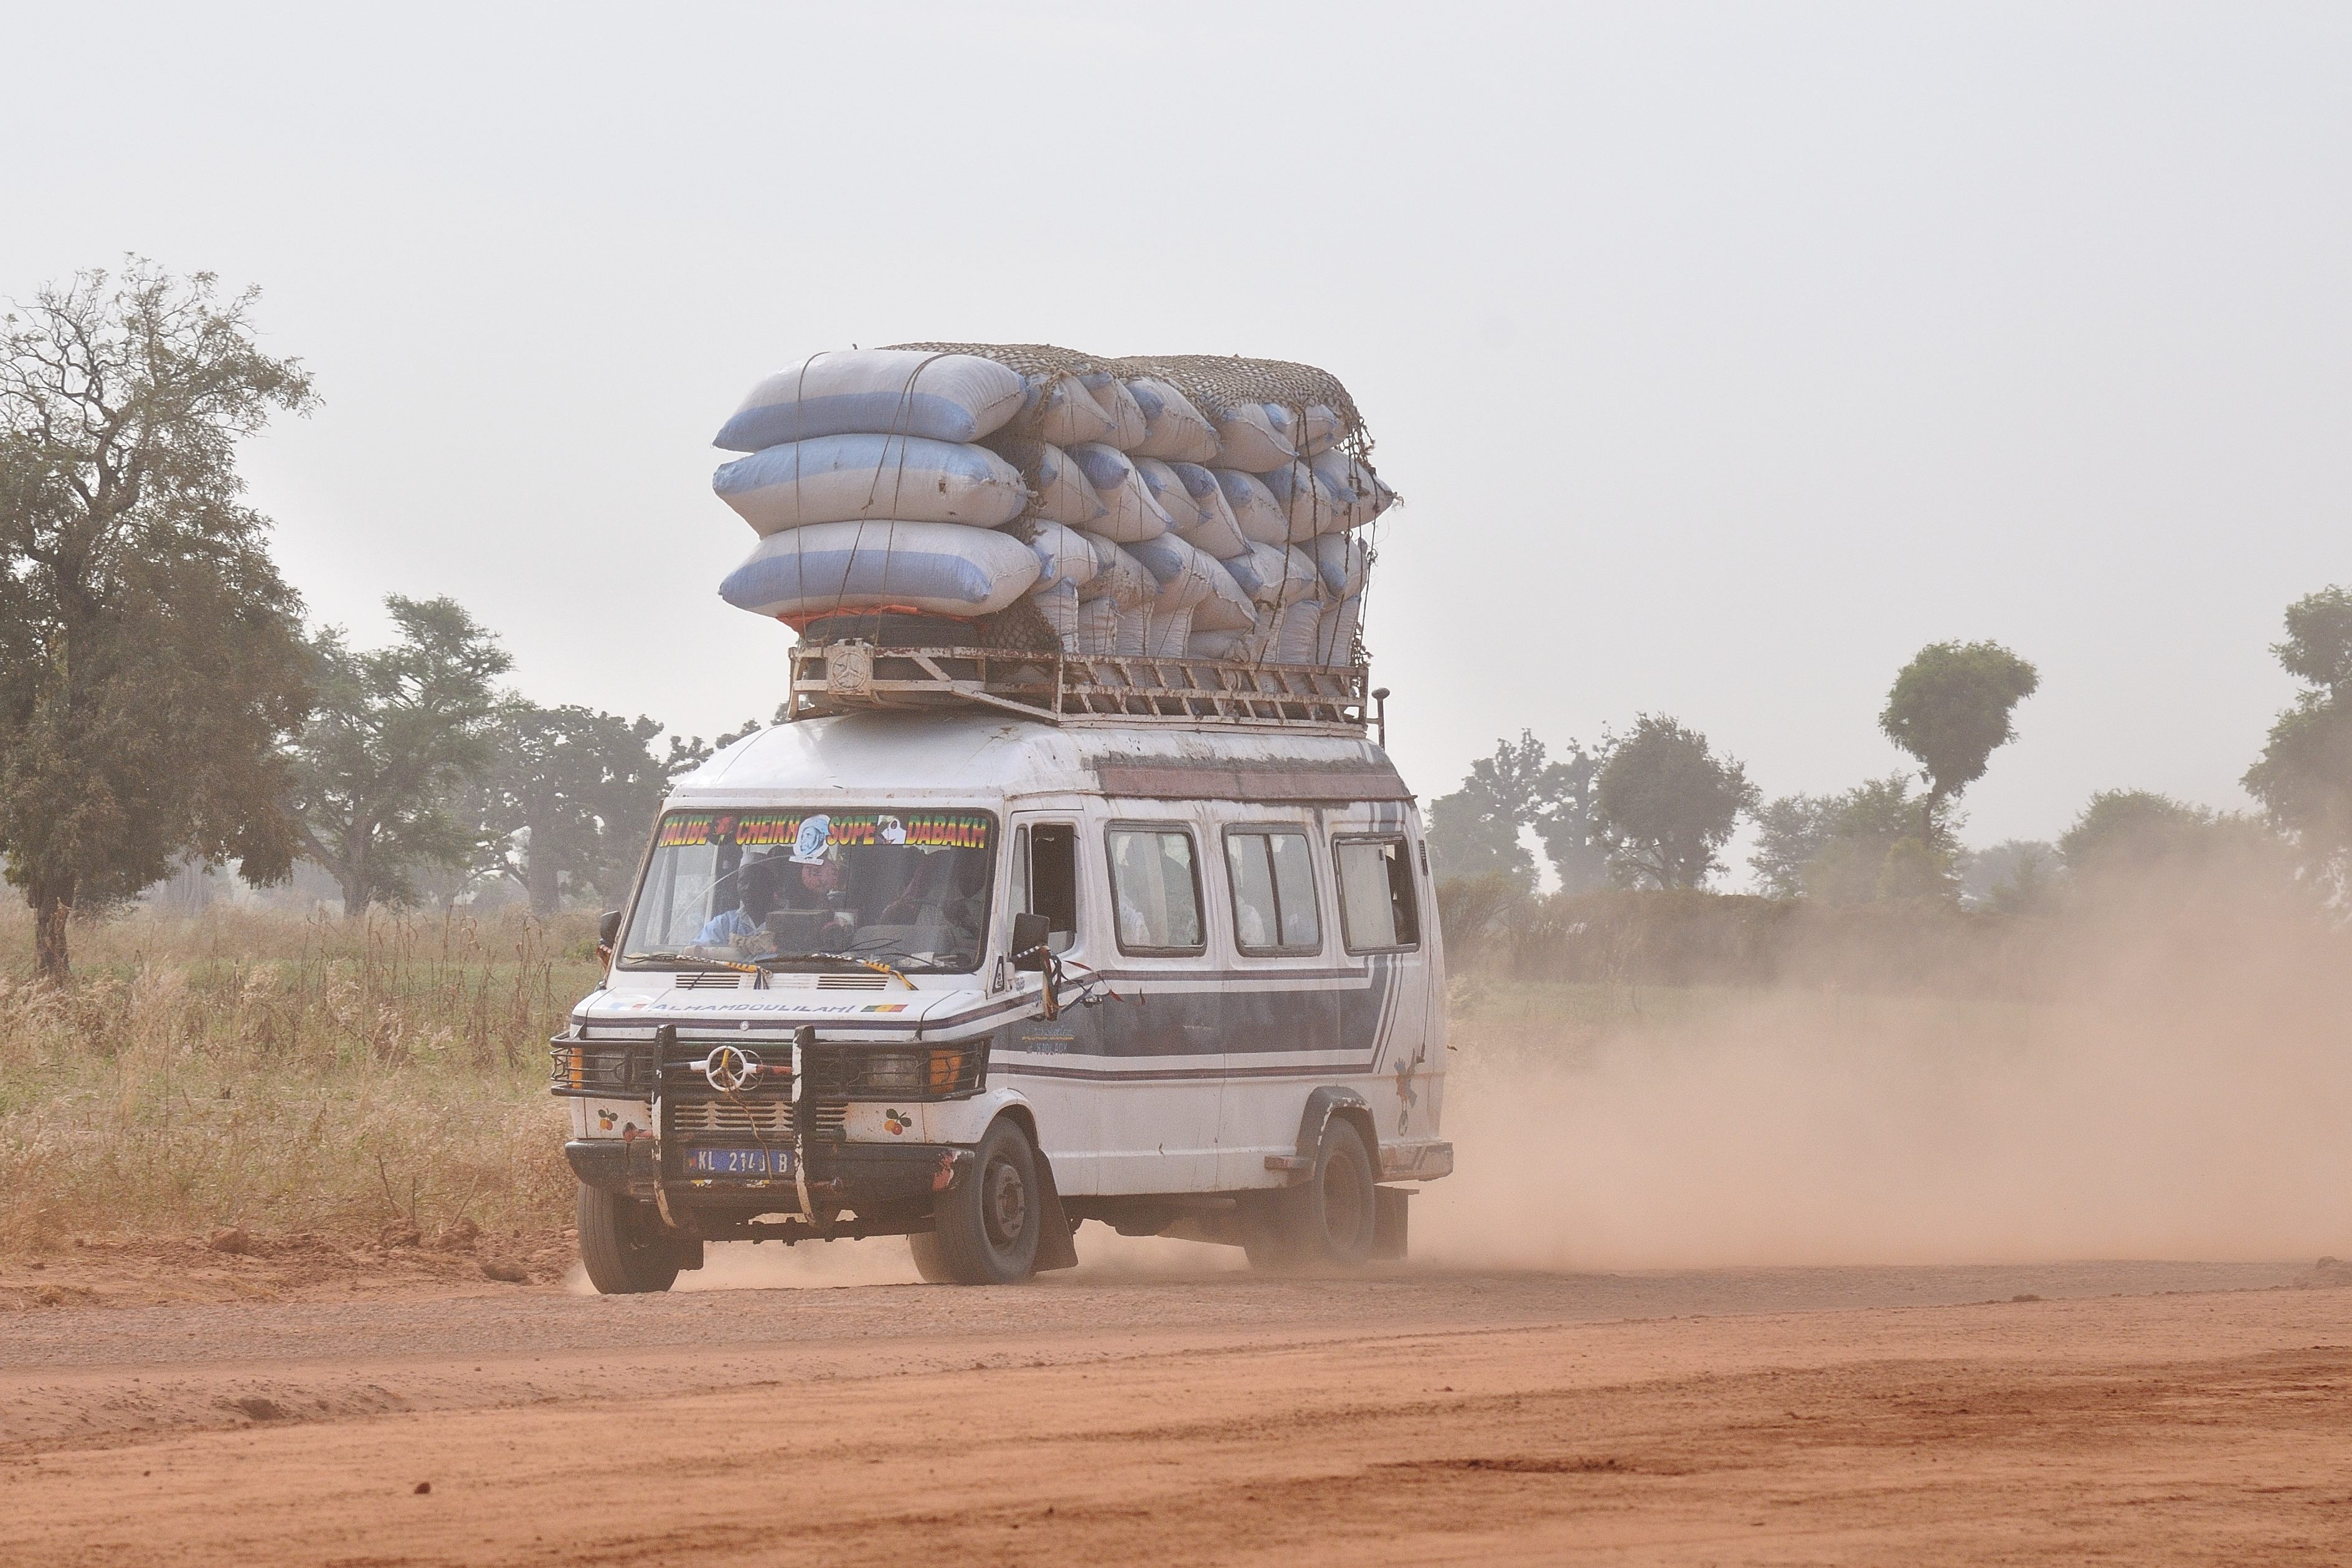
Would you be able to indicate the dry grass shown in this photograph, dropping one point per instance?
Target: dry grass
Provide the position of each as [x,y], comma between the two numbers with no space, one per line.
[285,1073]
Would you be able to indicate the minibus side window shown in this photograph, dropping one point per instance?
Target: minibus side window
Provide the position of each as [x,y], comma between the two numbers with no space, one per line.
[1273,877]
[1378,911]
[1050,881]
[1155,886]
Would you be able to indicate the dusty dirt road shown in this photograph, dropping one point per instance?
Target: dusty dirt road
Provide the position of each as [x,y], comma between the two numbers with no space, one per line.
[2132,1413]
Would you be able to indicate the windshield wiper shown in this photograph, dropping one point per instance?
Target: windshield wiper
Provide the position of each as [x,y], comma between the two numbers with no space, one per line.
[697,959]
[849,958]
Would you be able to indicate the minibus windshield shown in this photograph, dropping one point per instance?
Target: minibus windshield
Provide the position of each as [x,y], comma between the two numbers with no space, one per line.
[788,889]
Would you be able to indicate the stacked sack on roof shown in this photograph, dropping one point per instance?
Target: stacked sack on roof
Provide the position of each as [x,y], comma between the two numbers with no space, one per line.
[1186,506]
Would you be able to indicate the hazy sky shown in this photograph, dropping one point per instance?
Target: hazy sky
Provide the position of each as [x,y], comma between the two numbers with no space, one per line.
[1723,355]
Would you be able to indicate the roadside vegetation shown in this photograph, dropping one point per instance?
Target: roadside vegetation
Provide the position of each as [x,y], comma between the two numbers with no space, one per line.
[282,1073]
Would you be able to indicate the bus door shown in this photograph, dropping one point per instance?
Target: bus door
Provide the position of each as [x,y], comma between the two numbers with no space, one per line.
[1282,1007]
[1163,1034]
[1381,917]
[1056,1057]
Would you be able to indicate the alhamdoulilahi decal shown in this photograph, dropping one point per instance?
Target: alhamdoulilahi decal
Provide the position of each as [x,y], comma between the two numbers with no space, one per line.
[842,829]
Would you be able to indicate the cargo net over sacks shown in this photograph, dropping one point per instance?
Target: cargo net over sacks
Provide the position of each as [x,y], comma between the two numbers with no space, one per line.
[1028,498]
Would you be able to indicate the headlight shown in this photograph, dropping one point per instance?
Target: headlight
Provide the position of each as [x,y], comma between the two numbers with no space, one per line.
[594,1069]
[893,1072]
[918,1072]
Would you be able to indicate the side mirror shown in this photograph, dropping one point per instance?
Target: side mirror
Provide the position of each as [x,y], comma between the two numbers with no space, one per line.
[608,932]
[1031,934]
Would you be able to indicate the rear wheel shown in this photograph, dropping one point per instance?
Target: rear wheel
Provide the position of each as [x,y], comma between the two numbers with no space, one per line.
[1326,1220]
[623,1246]
[986,1229]
[929,1261]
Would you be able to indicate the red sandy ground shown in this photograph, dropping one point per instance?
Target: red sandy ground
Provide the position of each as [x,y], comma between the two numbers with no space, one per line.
[1409,1417]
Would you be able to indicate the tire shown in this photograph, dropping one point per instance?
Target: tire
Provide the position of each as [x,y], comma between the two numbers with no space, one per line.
[622,1244]
[929,1261]
[1325,1221]
[986,1229]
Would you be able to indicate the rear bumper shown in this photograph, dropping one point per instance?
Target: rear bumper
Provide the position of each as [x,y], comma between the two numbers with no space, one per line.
[862,1176]
[1416,1162]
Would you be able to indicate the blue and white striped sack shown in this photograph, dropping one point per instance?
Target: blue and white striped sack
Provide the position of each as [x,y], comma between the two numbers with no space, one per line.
[852,478]
[936,568]
[876,392]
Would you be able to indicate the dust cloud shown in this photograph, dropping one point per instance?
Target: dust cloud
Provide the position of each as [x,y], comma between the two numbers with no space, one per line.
[1103,1255]
[2162,1086]
[2167,1086]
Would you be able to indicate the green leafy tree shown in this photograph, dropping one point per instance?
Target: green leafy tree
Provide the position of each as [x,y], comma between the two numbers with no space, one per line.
[2013,877]
[1479,831]
[1666,805]
[1834,846]
[569,799]
[687,754]
[1472,834]
[1791,833]
[1566,821]
[150,660]
[2125,835]
[1950,709]
[398,734]
[2304,778]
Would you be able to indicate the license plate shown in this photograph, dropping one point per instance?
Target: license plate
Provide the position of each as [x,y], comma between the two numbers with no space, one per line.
[739,1161]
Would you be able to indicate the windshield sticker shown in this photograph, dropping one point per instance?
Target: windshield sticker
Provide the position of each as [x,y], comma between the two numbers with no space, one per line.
[809,834]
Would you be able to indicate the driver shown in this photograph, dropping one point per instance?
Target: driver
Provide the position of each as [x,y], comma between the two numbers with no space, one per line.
[738,926]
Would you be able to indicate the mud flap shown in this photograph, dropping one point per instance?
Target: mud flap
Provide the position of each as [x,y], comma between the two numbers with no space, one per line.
[1054,1247]
[1388,1223]
[687,1249]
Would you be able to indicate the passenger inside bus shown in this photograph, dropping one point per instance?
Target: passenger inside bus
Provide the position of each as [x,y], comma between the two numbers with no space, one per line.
[811,915]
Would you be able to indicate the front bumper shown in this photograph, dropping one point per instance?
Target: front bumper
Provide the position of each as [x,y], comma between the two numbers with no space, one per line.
[862,1176]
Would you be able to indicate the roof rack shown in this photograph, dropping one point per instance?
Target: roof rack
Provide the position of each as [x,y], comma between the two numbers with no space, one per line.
[1077,688]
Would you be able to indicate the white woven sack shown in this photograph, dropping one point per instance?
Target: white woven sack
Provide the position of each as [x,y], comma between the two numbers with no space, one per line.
[1168,492]
[1228,607]
[1132,514]
[1255,438]
[884,391]
[938,568]
[1063,555]
[1255,512]
[1307,502]
[1058,604]
[1364,482]
[1175,431]
[1215,531]
[1273,575]
[1168,632]
[1118,576]
[1182,573]
[1221,645]
[1099,627]
[1335,633]
[1319,429]
[1294,633]
[848,479]
[1061,411]
[1063,494]
[1341,561]
[1128,427]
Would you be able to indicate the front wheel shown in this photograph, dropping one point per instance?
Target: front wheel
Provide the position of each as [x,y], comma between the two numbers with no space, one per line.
[622,1245]
[986,1229]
